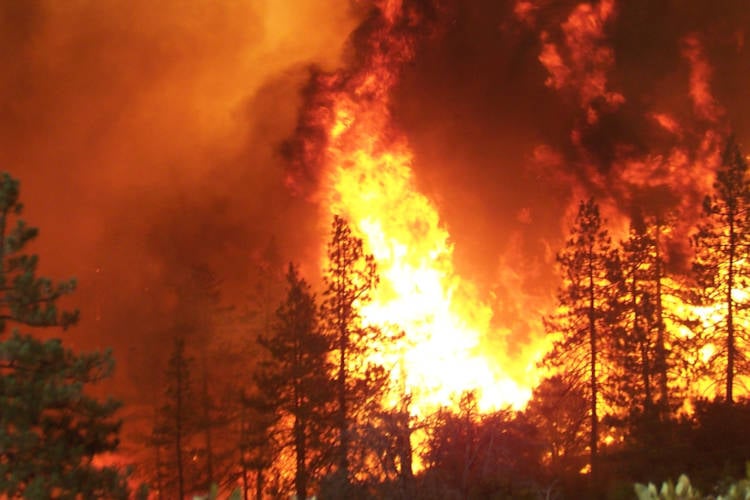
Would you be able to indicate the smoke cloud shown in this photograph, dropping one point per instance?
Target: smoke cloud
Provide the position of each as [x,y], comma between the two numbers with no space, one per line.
[146,140]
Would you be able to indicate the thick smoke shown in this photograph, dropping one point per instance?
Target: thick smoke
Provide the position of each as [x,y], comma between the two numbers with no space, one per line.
[145,137]
[523,108]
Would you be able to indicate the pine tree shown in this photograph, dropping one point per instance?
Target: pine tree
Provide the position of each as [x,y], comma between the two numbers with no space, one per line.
[294,380]
[720,266]
[25,299]
[588,264]
[643,330]
[51,430]
[359,385]
[633,349]
[175,428]
[250,417]
[659,277]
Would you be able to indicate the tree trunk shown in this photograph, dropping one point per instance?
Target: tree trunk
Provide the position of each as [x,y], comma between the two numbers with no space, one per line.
[178,436]
[730,311]
[342,418]
[300,476]
[343,334]
[661,355]
[207,425]
[642,338]
[259,484]
[243,446]
[406,473]
[593,438]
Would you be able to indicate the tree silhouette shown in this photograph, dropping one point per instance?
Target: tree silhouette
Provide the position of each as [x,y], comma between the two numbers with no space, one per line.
[588,265]
[639,348]
[257,442]
[295,379]
[721,268]
[359,385]
[25,299]
[199,319]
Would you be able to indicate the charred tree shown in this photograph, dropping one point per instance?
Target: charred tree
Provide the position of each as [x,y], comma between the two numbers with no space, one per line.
[631,379]
[720,266]
[588,264]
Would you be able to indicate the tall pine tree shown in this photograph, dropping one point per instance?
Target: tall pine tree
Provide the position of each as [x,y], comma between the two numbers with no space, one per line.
[721,267]
[359,384]
[51,430]
[295,379]
[588,265]
[640,343]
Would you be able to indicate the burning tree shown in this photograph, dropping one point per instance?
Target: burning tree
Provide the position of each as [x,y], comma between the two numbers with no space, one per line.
[640,343]
[359,384]
[51,431]
[587,263]
[722,270]
[295,380]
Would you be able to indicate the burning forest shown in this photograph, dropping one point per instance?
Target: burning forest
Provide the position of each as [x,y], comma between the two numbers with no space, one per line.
[373,248]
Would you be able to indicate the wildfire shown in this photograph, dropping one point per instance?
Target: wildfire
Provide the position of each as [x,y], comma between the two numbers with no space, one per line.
[364,171]
[369,180]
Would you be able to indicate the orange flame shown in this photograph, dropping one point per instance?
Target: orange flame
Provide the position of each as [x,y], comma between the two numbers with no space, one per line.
[585,69]
[369,181]
[700,79]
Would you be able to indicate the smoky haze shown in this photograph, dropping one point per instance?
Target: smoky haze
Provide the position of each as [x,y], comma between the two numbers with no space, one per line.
[145,135]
